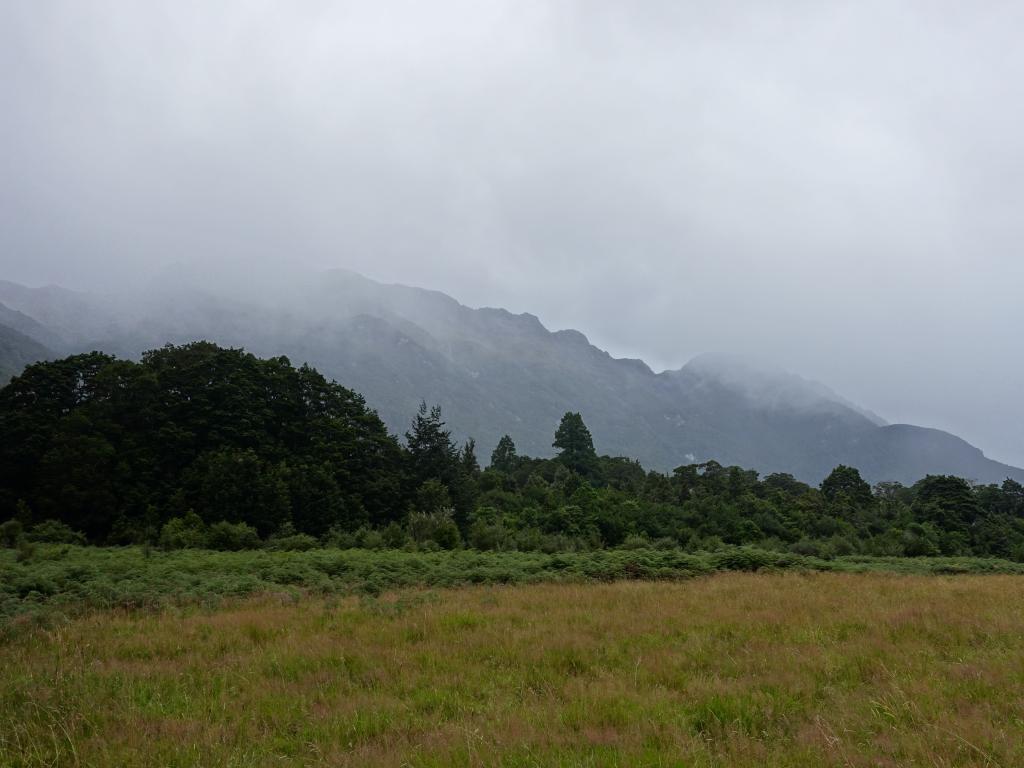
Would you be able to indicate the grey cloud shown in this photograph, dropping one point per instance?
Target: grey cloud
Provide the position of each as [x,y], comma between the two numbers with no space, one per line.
[834,186]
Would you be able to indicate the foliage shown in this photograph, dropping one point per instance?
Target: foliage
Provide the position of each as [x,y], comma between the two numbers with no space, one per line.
[287,539]
[199,446]
[575,445]
[503,457]
[11,532]
[65,578]
[91,440]
[436,527]
[846,483]
[232,536]
[55,532]
[185,532]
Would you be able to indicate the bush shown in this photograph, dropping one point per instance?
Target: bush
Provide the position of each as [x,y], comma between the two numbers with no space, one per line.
[554,543]
[55,532]
[233,536]
[372,539]
[810,548]
[299,542]
[339,539]
[634,541]
[842,546]
[394,536]
[744,559]
[437,527]
[26,551]
[528,540]
[10,534]
[920,541]
[186,532]
[665,542]
[286,539]
[489,536]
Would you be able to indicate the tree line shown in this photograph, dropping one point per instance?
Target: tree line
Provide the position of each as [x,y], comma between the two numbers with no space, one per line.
[201,446]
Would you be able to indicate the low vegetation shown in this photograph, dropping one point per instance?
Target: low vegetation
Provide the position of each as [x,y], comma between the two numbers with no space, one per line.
[787,669]
[41,585]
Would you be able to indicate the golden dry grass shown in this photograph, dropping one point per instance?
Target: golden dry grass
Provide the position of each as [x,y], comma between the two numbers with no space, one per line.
[731,670]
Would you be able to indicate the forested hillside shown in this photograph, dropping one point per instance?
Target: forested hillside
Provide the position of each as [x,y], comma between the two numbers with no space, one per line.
[495,372]
[16,351]
[198,445]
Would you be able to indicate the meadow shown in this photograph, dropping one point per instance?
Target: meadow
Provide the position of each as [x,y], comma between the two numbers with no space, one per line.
[781,667]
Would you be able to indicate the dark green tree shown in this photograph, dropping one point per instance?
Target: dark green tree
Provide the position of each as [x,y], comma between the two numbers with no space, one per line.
[470,465]
[946,501]
[115,448]
[846,482]
[432,454]
[503,457]
[576,446]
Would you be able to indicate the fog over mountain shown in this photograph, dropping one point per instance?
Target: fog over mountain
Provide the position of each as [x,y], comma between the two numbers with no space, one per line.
[495,372]
[834,188]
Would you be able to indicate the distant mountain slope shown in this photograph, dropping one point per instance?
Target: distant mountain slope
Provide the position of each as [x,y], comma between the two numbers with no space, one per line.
[494,372]
[18,350]
[30,327]
[68,318]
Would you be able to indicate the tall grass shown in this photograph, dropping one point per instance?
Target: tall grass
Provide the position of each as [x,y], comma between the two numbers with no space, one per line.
[740,669]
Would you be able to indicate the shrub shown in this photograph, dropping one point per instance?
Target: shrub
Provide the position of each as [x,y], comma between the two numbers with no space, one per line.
[489,536]
[528,540]
[744,559]
[437,527]
[339,539]
[298,542]
[55,532]
[10,534]
[920,541]
[554,543]
[394,536]
[842,546]
[633,541]
[26,551]
[233,536]
[286,539]
[810,548]
[186,532]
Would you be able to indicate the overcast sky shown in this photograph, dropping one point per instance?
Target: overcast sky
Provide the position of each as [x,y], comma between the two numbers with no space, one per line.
[836,186]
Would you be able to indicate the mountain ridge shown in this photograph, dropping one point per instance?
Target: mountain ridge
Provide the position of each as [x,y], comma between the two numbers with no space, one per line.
[496,372]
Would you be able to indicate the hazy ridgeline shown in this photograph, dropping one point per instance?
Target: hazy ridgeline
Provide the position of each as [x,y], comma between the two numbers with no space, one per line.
[198,446]
[493,372]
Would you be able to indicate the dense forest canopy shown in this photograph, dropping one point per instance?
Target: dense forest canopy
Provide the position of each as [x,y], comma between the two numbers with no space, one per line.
[198,445]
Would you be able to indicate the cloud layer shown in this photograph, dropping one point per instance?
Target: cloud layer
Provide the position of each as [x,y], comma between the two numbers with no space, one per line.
[834,186]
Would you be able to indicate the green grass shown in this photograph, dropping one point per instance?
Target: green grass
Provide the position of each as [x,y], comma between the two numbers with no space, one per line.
[62,580]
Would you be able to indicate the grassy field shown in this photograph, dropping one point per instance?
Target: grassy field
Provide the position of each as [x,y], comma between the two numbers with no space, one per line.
[733,669]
